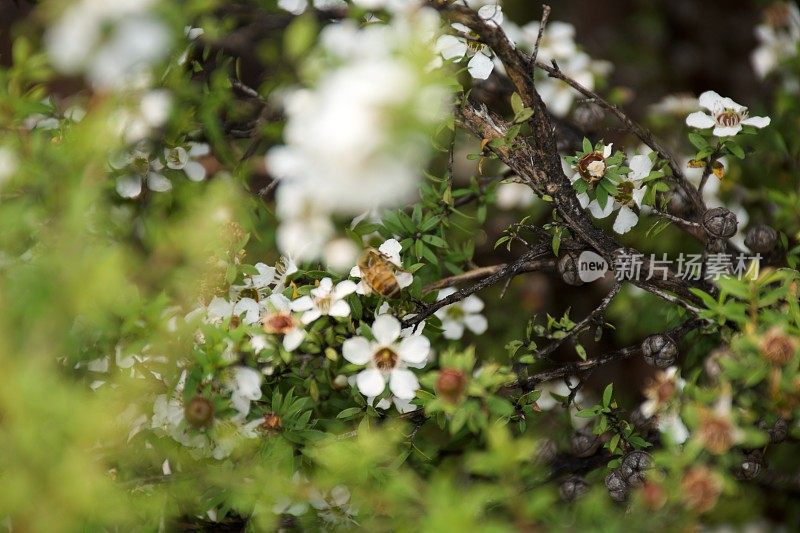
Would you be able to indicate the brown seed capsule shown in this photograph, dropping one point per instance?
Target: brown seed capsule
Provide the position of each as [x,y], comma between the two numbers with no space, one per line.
[751,465]
[720,223]
[450,384]
[617,488]
[779,431]
[199,412]
[701,488]
[761,239]
[572,488]
[777,347]
[659,351]
[634,467]
[568,268]
[546,451]
[584,443]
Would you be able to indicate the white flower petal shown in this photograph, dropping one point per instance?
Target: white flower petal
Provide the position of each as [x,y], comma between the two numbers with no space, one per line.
[195,171]
[414,349]
[343,288]
[480,66]
[477,324]
[730,131]
[370,382]
[293,339]
[709,100]
[355,272]
[386,329]
[304,303]
[452,330]
[391,248]
[404,279]
[357,350]
[758,122]
[583,199]
[598,212]
[640,166]
[451,47]
[339,309]
[403,384]
[157,182]
[310,316]
[129,186]
[700,120]
[472,304]
[626,219]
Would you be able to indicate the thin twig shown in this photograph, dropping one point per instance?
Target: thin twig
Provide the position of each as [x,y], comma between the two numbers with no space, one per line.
[482,272]
[580,326]
[542,24]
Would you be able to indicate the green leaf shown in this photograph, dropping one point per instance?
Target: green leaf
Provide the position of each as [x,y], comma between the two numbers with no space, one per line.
[735,150]
[349,412]
[609,390]
[698,141]
[516,103]
[587,145]
[300,35]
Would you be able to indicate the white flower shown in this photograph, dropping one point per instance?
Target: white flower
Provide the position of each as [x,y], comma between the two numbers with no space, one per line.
[547,401]
[179,158]
[152,112]
[334,507]
[259,283]
[778,38]
[258,343]
[480,66]
[557,94]
[391,250]
[141,169]
[558,40]
[727,117]
[629,197]
[280,321]
[325,300]
[386,359]
[220,309]
[305,227]
[297,7]
[671,424]
[339,254]
[592,171]
[679,104]
[457,315]
[513,195]
[245,387]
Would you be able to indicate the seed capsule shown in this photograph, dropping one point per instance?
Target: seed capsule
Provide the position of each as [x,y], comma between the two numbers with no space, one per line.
[751,465]
[584,443]
[451,384]
[572,488]
[761,239]
[634,467]
[779,431]
[568,268]
[659,351]
[199,412]
[720,223]
[617,488]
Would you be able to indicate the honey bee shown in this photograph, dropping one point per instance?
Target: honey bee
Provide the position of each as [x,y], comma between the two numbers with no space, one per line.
[379,273]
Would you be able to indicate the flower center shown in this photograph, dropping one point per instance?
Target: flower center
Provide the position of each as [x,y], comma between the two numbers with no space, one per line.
[591,167]
[141,164]
[324,304]
[728,118]
[385,359]
[279,323]
[455,312]
[625,192]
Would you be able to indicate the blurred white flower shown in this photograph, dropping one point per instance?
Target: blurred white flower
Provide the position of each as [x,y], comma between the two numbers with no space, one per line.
[325,300]
[115,43]
[219,310]
[8,163]
[387,359]
[557,94]
[727,117]
[679,104]
[340,254]
[152,111]
[245,386]
[456,316]
[456,48]
[179,158]
[297,7]
[139,169]
[514,195]
[778,38]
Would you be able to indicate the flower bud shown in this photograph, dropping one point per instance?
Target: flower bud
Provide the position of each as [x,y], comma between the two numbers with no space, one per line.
[777,347]
[659,351]
[761,238]
[617,488]
[572,488]
[584,443]
[720,223]
[339,382]
[634,467]
[199,412]
[568,268]
[450,384]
